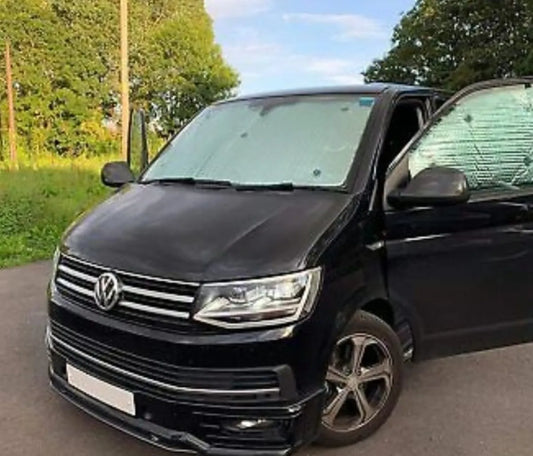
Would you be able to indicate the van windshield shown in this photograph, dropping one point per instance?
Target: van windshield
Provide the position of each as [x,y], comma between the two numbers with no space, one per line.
[306,141]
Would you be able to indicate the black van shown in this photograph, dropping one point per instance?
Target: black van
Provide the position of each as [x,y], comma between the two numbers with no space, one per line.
[262,282]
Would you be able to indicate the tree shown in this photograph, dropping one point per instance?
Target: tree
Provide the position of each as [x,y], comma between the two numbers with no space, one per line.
[66,68]
[177,68]
[453,43]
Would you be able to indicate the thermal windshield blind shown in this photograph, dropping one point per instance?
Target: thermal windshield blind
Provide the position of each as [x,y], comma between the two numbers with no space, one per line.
[488,135]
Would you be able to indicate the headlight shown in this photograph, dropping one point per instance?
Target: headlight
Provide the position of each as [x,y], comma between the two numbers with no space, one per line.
[261,302]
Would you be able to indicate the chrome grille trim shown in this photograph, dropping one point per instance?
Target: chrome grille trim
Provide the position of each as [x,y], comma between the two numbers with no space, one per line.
[154,310]
[161,298]
[157,383]
[78,274]
[75,287]
[128,288]
[130,274]
[158,294]
[127,304]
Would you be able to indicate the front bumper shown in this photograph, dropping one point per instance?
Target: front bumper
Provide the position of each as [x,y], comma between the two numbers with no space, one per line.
[297,418]
[200,423]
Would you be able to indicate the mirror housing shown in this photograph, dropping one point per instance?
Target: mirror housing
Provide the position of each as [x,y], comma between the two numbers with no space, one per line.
[116,174]
[437,186]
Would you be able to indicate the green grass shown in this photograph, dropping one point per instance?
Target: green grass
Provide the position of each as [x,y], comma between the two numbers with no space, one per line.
[39,200]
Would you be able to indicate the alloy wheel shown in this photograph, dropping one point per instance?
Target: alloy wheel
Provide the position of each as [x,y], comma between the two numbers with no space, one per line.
[359,382]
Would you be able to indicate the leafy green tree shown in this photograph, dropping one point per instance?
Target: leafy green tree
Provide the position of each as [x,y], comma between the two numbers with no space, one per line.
[177,68]
[66,68]
[63,73]
[453,43]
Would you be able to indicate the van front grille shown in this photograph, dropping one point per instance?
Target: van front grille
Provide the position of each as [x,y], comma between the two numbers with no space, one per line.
[161,379]
[148,301]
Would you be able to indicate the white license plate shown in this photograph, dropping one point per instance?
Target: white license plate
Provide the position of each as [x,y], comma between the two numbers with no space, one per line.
[104,392]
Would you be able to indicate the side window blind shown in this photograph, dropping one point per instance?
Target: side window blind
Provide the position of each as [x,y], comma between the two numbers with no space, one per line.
[488,135]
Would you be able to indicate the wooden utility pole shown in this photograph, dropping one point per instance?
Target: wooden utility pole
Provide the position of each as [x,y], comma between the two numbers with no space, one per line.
[10,107]
[124,76]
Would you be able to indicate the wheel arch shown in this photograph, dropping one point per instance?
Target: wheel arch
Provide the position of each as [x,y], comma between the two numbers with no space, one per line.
[396,319]
[382,309]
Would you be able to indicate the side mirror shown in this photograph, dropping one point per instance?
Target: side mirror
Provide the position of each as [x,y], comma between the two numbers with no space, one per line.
[438,186]
[116,174]
[137,142]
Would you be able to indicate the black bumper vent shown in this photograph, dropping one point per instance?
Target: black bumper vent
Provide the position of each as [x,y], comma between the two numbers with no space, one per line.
[161,379]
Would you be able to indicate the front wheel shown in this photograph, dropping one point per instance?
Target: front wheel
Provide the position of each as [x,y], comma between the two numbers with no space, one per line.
[364,381]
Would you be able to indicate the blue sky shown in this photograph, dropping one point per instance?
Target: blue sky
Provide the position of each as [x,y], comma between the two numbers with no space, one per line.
[276,44]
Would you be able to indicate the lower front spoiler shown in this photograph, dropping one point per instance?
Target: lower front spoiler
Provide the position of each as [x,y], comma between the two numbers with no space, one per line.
[305,415]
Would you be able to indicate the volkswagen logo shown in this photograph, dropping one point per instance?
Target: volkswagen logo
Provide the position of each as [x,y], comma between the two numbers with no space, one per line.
[107,291]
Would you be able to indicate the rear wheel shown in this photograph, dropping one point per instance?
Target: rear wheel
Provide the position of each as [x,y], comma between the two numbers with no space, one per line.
[363,381]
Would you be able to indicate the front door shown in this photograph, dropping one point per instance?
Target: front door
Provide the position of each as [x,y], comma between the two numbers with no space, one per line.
[464,273]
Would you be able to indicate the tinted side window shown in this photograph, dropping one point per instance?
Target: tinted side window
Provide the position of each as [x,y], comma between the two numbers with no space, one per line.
[406,121]
[488,135]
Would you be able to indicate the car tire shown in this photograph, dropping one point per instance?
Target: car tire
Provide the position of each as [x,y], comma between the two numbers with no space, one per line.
[366,349]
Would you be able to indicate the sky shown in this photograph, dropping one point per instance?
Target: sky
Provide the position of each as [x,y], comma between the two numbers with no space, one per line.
[281,44]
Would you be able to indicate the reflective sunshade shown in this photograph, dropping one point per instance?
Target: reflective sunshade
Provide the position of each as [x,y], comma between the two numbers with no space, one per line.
[300,140]
[488,135]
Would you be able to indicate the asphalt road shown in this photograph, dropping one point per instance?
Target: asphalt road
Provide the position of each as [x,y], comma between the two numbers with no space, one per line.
[470,405]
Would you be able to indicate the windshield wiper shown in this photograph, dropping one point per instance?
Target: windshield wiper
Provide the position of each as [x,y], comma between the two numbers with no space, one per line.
[214,183]
[321,188]
[190,181]
[286,187]
[282,186]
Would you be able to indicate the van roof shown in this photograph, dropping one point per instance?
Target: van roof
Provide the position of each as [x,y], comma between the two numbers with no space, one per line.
[370,89]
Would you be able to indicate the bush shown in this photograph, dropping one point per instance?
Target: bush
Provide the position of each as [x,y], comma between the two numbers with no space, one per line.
[39,201]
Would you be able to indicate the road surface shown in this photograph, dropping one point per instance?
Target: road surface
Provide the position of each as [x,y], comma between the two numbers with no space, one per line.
[469,405]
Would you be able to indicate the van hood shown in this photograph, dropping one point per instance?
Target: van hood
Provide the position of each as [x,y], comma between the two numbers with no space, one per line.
[202,234]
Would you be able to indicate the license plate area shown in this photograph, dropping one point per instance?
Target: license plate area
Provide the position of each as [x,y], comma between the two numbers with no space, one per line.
[104,392]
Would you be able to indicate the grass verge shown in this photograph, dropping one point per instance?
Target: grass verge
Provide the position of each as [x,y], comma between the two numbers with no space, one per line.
[39,200]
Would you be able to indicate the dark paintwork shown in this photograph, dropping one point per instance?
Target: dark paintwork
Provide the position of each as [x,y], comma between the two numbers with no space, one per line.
[375,88]
[206,234]
[469,278]
[148,229]
[116,174]
[436,186]
[462,273]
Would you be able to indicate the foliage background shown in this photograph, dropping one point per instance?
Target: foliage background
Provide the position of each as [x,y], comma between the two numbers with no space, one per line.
[39,201]
[66,69]
[452,43]
[65,57]
[66,73]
